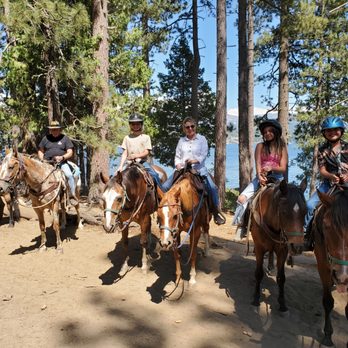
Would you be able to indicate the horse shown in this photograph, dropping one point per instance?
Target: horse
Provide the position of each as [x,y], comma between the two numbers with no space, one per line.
[47,189]
[9,197]
[130,195]
[277,218]
[330,232]
[184,208]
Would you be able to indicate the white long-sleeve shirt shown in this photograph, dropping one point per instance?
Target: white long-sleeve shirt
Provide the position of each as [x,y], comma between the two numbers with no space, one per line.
[193,149]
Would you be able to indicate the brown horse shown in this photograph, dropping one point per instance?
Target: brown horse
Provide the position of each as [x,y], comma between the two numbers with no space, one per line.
[330,231]
[277,218]
[9,197]
[183,208]
[130,196]
[47,189]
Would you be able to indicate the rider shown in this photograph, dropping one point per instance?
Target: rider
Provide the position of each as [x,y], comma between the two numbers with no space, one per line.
[137,147]
[271,159]
[59,148]
[333,166]
[192,149]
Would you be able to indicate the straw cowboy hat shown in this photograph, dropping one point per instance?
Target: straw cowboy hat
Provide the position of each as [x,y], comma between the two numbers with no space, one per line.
[54,125]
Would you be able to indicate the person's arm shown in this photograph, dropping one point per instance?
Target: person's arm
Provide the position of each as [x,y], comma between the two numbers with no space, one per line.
[142,154]
[259,171]
[41,153]
[178,160]
[122,161]
[327,175]
[69,153]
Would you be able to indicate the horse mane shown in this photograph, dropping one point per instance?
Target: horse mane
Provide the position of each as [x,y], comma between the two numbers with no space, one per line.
[131,175]
[339,209]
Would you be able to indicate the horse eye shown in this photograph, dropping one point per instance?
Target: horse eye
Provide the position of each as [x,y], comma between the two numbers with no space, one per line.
[119,199]
[10,167]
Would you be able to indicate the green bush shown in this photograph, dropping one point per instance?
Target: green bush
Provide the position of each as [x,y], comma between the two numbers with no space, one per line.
[231,199]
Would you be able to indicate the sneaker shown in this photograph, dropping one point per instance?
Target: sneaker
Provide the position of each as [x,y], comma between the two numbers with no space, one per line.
[219,219]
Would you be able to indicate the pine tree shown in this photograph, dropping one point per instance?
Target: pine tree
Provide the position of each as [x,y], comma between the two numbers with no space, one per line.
[175,89]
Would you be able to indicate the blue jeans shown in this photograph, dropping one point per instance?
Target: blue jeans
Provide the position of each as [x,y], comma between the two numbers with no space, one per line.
[168,183]
[153,174]
[249,192]
[70,177]
[314,200]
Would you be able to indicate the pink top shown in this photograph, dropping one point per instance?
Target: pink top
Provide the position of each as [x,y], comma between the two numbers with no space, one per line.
[271,160]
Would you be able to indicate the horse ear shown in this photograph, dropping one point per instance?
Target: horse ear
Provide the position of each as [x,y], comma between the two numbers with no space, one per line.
[325,198]
[160,193]
[15,151]
[283,186]
[7,151]
[119,177]
[177,193]
[103,178]
[303,184]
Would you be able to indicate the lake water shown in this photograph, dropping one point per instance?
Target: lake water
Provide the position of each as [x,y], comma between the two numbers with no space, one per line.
[232,164]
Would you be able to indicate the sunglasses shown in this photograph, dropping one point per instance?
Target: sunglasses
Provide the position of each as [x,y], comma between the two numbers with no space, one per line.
[192,127]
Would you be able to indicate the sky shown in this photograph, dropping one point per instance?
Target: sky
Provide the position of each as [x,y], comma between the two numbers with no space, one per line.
[207,44]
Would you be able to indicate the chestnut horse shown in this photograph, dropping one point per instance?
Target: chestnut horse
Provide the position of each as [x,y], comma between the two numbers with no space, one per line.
[47,189]
[129,196]
[330,231]
[183,208]
[277,218]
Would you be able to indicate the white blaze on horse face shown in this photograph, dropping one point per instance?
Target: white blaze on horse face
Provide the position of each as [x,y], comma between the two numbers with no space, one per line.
[109,197]
[165,211]
[296,208]
[3,168]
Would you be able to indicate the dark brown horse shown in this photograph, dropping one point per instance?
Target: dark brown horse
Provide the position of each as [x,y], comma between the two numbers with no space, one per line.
[277,218]
[130,196]
[183,208]
[330,230]
[9,197]
[47,189]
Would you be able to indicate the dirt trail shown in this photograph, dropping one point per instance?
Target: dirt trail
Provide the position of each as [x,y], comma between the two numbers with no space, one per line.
[77,299]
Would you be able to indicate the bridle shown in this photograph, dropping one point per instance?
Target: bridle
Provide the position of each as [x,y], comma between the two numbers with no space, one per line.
[179,221]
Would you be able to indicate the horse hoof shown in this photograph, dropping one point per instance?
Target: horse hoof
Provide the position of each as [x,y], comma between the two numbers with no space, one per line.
[144,270]
[10,225]
[59,250]
[42,248]
[192,281]
[124,270]
[284,314]
[326,341]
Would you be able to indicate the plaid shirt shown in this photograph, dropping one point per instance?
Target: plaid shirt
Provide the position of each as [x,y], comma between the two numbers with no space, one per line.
[334,163]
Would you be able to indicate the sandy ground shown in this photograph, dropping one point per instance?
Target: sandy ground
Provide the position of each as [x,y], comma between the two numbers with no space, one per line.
[77,298]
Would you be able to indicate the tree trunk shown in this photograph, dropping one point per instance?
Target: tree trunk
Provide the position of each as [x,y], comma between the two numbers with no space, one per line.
[196,61]
[146,52]
[100,156]
[250,63]
[283,87]
[221,104]
[243,126]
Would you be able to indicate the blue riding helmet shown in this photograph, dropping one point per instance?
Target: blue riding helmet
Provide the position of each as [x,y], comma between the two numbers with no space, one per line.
[333,122]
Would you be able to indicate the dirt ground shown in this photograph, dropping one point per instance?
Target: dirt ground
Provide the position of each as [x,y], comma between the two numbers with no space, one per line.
[77,298]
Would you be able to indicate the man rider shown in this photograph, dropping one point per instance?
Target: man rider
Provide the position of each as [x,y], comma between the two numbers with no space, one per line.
[59,148]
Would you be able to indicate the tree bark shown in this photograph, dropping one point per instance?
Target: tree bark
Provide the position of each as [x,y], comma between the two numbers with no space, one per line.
[250,63]
[221,104]
[100,156]
[146,52]
[243,126]
[196,61]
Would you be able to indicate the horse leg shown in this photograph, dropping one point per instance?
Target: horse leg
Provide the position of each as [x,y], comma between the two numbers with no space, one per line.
[10,209]
[40,215]
[2,206]
[145,227]
[63,213]
[56,226]
[281,258]
[79,220]
[193,243]
[207,243]
[178,272]
[327,299]
[124,269]
[259,273]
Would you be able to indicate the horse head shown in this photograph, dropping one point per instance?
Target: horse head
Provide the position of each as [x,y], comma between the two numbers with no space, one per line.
[169,215]
[113,200]
[290,205]
[11,171]
[334,225]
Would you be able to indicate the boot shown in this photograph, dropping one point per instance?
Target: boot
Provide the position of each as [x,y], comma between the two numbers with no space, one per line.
[73,200]
[219,219]
[308,243]
[238,214]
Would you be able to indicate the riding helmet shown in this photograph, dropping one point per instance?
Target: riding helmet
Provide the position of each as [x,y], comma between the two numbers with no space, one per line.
[135,118]
[270,123]
[333,122]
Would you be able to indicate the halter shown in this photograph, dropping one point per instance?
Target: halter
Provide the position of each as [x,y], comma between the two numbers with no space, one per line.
[174,230]
[334,261]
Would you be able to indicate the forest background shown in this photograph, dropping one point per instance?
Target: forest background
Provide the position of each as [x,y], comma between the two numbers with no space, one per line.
[89,64]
